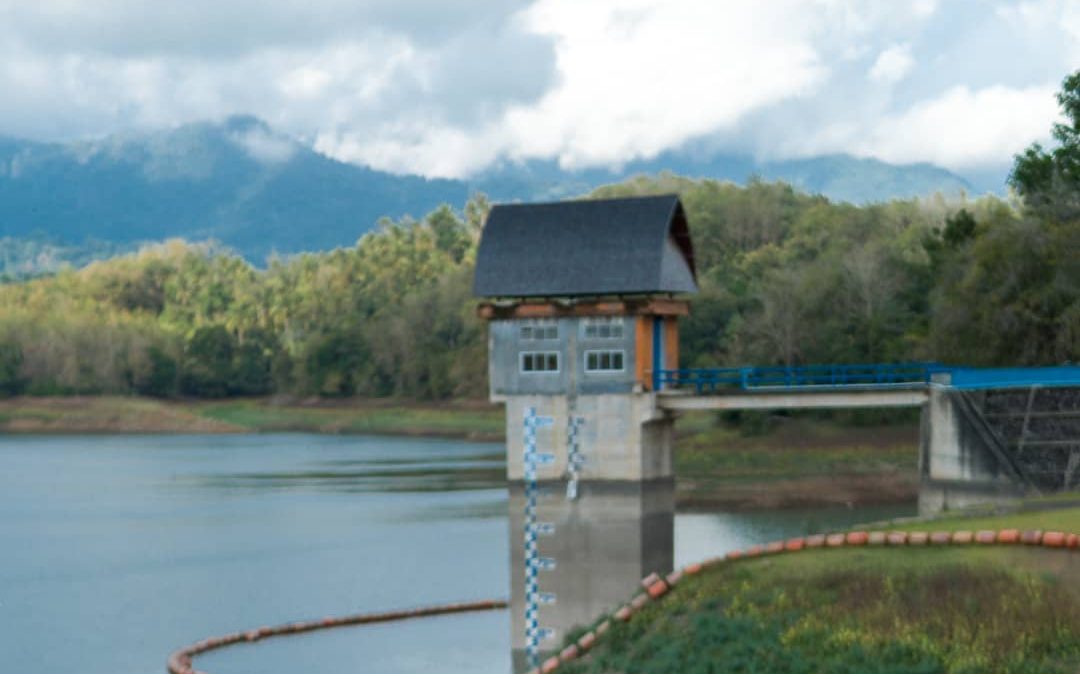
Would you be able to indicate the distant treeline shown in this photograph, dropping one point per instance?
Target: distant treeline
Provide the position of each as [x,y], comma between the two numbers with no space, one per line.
[785,278]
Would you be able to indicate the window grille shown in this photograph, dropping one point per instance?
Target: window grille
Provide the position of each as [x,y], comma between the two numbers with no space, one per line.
[606,327]
[539,328]
[539,361]
[605,361]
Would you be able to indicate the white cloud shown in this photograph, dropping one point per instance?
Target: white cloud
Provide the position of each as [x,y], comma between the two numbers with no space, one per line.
[634,78]
[265,146]
[893,64]
[963,128]
[445,88]
[629,86]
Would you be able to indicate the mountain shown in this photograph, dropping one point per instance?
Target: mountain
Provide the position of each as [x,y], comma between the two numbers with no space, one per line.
[260,192]
[238,182]
[839,177]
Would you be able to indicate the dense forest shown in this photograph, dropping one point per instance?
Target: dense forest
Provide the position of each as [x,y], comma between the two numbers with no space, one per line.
[785,278]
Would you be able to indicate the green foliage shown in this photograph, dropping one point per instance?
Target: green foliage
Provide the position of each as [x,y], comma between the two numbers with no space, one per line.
[160,380]
[208,358]
[11,381]
[391,316]
[1049,181]
[869,611]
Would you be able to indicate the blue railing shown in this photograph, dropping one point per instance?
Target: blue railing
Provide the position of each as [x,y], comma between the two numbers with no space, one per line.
[747,378]
[875,375]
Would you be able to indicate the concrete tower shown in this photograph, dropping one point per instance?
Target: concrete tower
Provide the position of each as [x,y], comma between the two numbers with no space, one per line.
[583,300]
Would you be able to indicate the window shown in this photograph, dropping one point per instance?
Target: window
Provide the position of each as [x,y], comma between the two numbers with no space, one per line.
[540,361]
[539,328]
[604,361]
[606,327]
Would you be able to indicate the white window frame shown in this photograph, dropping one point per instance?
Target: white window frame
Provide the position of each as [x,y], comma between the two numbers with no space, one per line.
[609,322]
[558,362]
[533,324]
[621,352]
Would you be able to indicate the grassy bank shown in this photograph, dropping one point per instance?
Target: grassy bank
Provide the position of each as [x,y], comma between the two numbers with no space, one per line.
[467,420]
[108,414]
[877,610]
[800,461]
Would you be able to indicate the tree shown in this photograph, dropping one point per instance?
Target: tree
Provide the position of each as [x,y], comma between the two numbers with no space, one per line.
[1049,181]
[160,379]
[11,379]
[208,362]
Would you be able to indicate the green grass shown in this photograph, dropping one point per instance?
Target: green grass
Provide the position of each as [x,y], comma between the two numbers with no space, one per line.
[1040,514]
[256,415]
[798,449]
[855,610]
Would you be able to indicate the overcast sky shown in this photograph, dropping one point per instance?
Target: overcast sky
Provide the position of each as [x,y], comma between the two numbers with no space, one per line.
[445,87]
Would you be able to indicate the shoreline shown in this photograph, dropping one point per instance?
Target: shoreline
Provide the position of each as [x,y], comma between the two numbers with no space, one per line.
[798,463]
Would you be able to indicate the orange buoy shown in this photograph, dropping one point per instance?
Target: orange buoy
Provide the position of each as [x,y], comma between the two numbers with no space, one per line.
[1008,536]
[586,641]
[834,540]
[568,653]
[896,537]
[1054,539]
[962,537]
[940,538]
[857,538]
[657,589]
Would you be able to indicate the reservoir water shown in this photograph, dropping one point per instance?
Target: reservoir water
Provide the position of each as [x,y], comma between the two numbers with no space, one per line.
[115,550]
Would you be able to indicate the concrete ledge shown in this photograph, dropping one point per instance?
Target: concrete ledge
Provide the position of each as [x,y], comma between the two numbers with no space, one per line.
[788,400]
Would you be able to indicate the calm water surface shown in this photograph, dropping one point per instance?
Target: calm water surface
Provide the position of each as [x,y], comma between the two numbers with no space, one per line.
[116,550]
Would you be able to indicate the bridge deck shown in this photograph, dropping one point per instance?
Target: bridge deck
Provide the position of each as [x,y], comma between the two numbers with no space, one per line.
[826,382]
[818,398]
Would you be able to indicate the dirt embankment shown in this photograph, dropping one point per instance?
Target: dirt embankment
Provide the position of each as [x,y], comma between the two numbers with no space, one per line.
[800,492]
[104,414]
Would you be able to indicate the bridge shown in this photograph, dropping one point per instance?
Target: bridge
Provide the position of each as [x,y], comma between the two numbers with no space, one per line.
[840,386]
[986,432]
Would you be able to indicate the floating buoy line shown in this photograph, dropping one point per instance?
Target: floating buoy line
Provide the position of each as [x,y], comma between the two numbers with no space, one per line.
[180,662]
[654,587]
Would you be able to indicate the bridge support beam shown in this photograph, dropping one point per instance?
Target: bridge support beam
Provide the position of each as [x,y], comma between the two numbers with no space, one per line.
[962,461]
[785,400]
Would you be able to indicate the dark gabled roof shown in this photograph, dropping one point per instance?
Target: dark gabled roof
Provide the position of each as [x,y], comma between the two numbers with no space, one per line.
[629,246]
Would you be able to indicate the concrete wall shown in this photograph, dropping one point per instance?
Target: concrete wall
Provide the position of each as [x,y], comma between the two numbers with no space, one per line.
[958,466]
[505,346]
[624,437]
[607,540]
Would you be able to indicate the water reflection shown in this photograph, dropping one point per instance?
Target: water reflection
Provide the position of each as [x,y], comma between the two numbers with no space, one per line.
[131,546]
[413,472]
